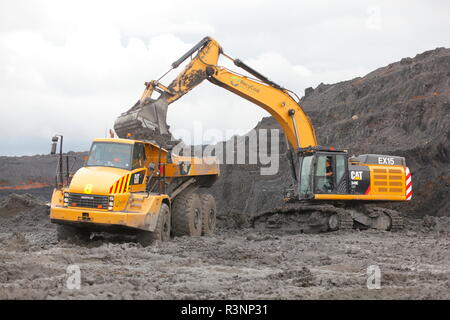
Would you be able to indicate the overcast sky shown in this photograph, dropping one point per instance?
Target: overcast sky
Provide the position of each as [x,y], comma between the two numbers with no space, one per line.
[71,67]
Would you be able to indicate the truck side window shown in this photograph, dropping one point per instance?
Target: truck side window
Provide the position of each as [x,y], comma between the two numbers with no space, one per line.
[138,155]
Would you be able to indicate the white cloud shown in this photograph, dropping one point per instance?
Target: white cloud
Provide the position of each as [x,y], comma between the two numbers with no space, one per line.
[374,20]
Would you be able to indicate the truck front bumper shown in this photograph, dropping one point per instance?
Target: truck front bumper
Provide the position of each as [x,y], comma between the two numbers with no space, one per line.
[95,219]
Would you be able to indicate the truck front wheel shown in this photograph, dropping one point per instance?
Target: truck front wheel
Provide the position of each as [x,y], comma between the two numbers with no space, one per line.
[162,229]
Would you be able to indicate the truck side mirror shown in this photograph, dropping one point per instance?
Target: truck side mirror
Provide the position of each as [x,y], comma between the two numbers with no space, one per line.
[53,151]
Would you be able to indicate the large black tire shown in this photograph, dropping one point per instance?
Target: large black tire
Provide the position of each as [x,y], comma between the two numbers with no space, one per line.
[162,229]
[65,232]
[209,214]
[187,215]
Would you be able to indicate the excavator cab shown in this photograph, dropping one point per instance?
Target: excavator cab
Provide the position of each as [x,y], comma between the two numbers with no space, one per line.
[322,172]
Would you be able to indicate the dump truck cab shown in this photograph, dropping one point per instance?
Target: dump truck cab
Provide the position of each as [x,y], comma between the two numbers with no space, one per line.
[124,185]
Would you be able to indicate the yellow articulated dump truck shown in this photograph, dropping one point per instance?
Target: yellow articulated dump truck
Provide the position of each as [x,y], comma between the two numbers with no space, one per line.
[134,187]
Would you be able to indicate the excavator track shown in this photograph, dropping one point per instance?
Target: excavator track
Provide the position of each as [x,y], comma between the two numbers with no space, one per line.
[316,218]
[306,218]
[346,220]
[369,216]
[396,219]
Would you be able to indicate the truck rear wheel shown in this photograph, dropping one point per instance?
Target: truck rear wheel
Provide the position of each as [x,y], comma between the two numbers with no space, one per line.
[162,229]
[187,215]
[65,232]
[209,214]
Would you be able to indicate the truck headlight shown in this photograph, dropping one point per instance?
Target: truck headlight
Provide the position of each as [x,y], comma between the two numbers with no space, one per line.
[66,199]
[110,203]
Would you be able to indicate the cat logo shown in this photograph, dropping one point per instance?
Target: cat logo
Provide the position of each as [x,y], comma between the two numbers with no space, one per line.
[356,175]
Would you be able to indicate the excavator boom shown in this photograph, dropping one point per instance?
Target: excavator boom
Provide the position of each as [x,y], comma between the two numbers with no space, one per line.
[278,102]
[147,118]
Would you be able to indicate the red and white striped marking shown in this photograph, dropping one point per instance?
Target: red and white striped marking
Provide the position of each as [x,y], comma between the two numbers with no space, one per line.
[408,184]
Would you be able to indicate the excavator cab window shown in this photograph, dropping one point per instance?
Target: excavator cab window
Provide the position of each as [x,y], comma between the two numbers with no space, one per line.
[330,173]
[325,174]
[341,176]
[321,173]
[305,177]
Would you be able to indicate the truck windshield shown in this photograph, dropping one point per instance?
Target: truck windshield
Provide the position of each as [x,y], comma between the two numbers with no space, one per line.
[110,154]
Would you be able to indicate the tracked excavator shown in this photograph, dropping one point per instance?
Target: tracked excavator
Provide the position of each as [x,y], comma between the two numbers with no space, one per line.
[332,190]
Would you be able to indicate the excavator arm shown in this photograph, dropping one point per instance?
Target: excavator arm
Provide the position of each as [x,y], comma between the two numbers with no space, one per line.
[150,115]
[146,120]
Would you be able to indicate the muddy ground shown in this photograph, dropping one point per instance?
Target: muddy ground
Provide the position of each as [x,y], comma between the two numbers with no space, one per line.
[233,264]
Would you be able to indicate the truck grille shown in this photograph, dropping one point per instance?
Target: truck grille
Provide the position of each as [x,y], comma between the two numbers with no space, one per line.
[88,201]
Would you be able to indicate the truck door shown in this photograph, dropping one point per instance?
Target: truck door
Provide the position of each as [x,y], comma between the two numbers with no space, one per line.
[138,181]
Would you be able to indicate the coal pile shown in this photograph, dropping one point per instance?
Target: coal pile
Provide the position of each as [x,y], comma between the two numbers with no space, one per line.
[15,203]
[25,222]
[33,175]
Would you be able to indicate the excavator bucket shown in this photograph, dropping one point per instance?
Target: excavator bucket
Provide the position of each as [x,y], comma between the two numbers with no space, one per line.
[146,120]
